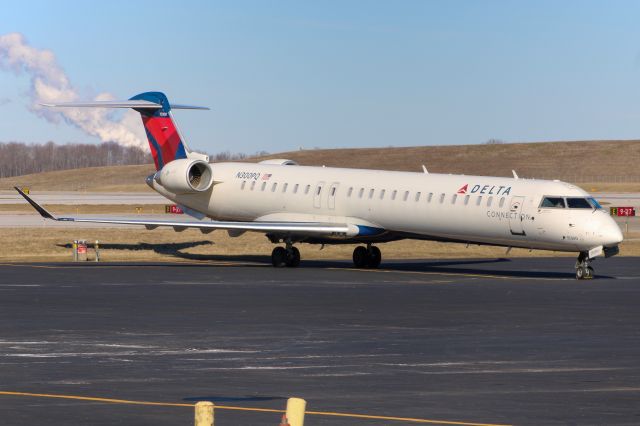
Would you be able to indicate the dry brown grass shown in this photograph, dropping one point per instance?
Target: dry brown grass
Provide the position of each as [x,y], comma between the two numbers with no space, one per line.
[45,244]
[101,179]
[59,209]
[595,162]
[579,161]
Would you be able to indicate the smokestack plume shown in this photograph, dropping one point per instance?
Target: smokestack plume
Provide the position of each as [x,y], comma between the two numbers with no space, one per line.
[49,84]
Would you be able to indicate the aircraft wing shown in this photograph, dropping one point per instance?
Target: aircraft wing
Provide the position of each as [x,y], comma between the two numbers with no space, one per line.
[316,228]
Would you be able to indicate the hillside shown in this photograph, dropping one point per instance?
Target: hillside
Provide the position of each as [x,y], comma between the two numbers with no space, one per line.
[580,162]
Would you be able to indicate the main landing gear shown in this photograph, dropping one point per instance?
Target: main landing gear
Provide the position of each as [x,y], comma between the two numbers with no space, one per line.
[584,271]
[285,256]
[367,257]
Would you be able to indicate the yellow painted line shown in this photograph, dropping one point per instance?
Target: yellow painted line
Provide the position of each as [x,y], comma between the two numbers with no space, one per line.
[451,274]
[263,410]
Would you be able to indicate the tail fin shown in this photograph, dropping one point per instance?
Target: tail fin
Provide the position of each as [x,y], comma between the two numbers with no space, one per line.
[165,140]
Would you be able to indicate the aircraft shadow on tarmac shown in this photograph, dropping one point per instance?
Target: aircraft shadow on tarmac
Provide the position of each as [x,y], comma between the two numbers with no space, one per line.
[176,250]
[447,266]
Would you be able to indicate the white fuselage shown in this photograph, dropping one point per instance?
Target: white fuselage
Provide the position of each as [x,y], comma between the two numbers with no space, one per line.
[385,205]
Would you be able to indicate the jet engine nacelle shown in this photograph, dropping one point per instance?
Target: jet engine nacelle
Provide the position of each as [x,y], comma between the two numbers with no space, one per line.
[185,175]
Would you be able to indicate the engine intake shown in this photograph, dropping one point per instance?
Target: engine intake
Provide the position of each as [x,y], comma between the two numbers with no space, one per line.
[185,175]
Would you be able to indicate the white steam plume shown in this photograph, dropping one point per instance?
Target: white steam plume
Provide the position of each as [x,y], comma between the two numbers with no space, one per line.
[49,84]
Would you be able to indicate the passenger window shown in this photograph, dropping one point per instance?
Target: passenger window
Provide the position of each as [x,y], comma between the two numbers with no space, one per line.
[264,185]
[307,189]
[479,201]
[393,194]
[253,185]
[371,193]
[333,191]
[441,198]
[360,193]
[501,201]
[553,202]
[350,191]
[578,203]
[454,197]
[466,199]
[274,186]
[295,189]
[382,194]
[418,196]
[430,197]
[318,190]
[284,187]
[406,196]
[244,182]
[489,201]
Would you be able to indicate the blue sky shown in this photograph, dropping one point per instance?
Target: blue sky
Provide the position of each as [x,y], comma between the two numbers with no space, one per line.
[284,75]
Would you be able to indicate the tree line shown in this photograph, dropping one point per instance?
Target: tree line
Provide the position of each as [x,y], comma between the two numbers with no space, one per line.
[18,158]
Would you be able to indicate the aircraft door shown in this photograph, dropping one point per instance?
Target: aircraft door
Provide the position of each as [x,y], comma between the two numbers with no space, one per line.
[331,200]
[317,195]
[515,218]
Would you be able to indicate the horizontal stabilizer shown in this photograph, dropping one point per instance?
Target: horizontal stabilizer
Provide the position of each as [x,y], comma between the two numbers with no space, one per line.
[137,104]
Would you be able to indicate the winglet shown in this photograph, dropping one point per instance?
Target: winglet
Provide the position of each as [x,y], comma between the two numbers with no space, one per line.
[515,175]
[43,212]
[424,169]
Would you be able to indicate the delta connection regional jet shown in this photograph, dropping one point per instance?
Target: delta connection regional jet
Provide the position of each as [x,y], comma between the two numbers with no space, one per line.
[324,205]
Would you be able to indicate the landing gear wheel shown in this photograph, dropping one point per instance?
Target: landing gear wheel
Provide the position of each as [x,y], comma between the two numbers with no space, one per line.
[589,273]
[360,257]
[367,258]
[279,257]
[375,257]
[584,271]
[293,257]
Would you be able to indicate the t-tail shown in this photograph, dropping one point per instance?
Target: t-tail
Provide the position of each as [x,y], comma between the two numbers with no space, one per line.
[165,140]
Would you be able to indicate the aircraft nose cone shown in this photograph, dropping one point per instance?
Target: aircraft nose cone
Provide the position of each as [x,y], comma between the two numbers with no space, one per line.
[611,233]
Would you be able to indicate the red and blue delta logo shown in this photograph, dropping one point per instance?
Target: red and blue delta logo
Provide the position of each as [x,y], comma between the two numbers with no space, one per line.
[485,189]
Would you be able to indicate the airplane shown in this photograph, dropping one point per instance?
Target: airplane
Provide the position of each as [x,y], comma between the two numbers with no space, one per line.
[292,204]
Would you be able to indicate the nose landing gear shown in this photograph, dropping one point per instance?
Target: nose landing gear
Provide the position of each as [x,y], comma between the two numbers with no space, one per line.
[584,271]
[367,257]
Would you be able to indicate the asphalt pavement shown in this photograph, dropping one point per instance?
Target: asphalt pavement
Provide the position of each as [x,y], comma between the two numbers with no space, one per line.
[489,341]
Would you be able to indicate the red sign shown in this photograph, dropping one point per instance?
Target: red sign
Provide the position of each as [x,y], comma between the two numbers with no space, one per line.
[623,211]
[173,209]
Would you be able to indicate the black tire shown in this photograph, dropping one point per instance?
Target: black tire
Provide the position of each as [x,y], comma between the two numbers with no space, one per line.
[279,257]
[293,258]
[589,272]
[375,257]
[360,257]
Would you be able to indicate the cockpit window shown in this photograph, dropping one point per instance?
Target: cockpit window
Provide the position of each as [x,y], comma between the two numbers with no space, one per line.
[578,203]
[595,203]
[553,202]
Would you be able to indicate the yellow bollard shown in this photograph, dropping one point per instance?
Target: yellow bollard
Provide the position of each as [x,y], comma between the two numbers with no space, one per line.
[204,413]
[295,411]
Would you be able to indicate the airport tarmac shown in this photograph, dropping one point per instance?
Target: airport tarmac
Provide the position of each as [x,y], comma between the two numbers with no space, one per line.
[490,341]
